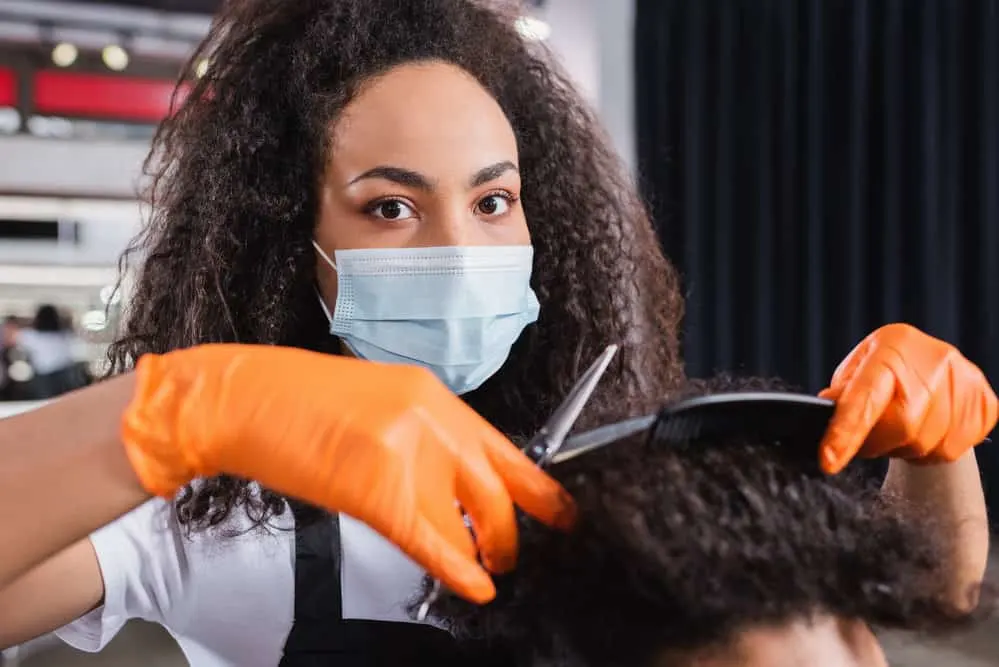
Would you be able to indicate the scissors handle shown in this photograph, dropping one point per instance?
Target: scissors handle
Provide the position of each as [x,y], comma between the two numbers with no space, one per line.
[549,438]
[540,447]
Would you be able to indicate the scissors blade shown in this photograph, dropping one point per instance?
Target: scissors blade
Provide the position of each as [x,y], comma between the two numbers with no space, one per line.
[549,439]
[598,437]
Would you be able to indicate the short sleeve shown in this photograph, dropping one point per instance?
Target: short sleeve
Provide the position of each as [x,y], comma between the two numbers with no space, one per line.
[144,568]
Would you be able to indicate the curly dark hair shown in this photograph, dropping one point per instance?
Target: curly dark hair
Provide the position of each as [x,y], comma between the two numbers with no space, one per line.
[226,255]
[680,548]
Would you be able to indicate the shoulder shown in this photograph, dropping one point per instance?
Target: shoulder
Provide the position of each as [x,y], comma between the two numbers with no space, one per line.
[155,569]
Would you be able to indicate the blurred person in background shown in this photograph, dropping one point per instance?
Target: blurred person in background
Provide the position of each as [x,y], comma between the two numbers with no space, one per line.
[409,234]
[18,381]
[10,388]
[52,348]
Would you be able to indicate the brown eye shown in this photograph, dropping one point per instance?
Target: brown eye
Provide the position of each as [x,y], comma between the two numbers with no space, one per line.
[493,205]
[391,209]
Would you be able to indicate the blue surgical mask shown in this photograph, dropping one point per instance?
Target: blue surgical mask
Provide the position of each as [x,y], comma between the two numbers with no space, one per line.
[455,310]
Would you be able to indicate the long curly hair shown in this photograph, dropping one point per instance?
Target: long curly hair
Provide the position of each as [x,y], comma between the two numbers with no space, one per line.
[226,255]
[681,547]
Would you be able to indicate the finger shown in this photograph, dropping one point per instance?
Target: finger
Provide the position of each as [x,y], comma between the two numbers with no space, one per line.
[483,495]
[973,419]
[442,560]
[530,487]
[440,507]
[861,404]
[887,438]
[903,452]
[831,393]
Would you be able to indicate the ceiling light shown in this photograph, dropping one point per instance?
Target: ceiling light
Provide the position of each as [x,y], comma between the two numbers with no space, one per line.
[115,57]
[533,28]
[65,54]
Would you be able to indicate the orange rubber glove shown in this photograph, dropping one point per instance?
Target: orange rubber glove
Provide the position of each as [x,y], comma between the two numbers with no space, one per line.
[387,444]
[904,394]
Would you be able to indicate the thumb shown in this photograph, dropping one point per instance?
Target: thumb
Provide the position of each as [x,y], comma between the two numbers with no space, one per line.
[831,393]
[859,407]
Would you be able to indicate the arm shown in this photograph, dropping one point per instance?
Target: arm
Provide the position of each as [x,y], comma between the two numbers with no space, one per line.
[905,395]
[57,592]
[413,450]
[952,494]
[135,567]
[63,467]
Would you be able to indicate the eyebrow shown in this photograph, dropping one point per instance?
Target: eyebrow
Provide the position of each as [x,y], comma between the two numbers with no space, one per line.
[405,177]
[414,179]
[491,173]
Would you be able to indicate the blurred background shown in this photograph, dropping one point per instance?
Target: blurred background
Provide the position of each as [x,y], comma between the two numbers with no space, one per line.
[82,86]
[816,168]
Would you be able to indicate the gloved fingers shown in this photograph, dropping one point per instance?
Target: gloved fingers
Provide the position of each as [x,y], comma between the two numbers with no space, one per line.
[889,437]
[440,506]
[488,504]
[972,417]
[862,402]
[832,393]
[531,488]
[442,560]
[979,407]
[904,452]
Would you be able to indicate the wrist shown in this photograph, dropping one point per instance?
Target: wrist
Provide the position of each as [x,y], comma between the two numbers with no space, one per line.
[159,452]
[933,482]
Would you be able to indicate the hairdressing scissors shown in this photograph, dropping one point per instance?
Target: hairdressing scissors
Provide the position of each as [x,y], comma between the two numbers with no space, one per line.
[604,435]
[546,443]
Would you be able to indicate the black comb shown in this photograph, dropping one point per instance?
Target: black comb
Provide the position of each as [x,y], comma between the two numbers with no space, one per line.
[762,416]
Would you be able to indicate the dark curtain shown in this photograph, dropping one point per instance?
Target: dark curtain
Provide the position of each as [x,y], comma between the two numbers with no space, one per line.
[818,168]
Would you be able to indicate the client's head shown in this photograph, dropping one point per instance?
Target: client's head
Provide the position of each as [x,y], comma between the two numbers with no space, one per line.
[734,553]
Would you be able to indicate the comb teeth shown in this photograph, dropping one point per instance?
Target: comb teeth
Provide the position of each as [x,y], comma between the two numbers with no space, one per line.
[793,422]
[678,429]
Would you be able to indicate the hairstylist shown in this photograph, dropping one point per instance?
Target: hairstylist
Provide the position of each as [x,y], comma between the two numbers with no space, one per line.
[395,181]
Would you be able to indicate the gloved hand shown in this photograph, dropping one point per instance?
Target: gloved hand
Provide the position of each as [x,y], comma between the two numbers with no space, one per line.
[904,394]
[386,444]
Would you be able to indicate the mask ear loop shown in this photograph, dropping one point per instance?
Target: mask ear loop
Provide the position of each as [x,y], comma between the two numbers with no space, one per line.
[322,301]
[322,253]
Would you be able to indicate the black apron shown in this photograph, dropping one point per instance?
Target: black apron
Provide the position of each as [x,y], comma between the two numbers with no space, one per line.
[321,637]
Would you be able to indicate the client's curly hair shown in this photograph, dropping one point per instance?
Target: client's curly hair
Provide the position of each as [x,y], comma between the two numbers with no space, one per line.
[680,548]
[226,256]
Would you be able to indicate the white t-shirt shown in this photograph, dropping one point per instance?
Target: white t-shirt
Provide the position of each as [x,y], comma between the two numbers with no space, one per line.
[228,599]
[49,351]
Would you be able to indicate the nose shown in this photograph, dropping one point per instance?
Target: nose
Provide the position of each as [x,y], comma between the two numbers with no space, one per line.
[453,225]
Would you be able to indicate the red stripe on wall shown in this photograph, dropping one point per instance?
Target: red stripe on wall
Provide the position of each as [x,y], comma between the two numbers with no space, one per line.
[102,97]
[8,87]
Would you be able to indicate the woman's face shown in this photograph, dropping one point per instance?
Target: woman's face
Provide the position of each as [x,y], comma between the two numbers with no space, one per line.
[423,156]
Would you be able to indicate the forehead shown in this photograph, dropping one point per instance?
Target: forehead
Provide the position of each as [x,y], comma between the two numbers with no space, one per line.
[423,115]
[822,641]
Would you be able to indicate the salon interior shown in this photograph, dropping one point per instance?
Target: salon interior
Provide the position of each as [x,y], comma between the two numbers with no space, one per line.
[770,137]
